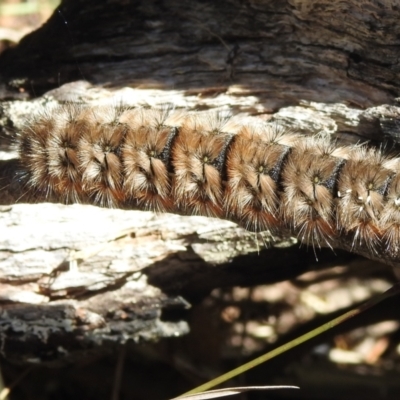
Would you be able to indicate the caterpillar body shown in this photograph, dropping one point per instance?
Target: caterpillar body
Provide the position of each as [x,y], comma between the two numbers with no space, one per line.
[257,174]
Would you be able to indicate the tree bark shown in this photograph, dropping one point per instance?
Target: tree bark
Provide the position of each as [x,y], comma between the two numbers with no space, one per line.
[280,52]
[86,277]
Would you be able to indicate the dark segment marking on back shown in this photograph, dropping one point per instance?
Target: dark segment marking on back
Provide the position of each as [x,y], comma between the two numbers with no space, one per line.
[166,155]
[276,171]
[332,182]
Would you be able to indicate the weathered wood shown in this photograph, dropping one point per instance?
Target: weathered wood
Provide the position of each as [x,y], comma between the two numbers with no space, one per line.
[279,52]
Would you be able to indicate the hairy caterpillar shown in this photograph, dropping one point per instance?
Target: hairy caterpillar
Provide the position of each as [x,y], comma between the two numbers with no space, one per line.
[260,176]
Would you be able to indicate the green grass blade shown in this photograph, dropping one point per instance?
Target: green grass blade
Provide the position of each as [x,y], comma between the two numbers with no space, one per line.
[394,290]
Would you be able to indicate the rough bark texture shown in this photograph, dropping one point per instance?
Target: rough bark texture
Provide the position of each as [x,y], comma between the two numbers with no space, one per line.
[280,52]
[74,279]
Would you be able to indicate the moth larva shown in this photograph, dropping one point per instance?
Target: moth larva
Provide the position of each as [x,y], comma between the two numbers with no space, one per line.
[255,174]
